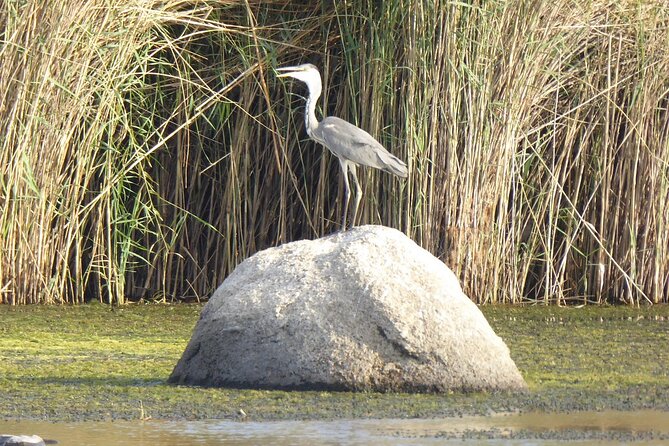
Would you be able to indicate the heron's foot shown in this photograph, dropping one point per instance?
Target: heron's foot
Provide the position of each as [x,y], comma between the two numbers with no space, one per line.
[344,228]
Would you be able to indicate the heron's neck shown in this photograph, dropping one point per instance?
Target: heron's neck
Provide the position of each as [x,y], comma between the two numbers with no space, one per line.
[310,114]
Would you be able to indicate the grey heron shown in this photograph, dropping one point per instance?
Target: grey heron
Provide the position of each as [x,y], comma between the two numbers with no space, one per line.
[350,144]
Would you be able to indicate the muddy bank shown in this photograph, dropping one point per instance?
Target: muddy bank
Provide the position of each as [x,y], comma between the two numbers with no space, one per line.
[93,363]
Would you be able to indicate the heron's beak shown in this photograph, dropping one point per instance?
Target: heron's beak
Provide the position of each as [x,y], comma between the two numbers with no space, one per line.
[289,71]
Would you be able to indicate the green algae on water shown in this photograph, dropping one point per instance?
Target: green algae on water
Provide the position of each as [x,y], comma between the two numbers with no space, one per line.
[95,362]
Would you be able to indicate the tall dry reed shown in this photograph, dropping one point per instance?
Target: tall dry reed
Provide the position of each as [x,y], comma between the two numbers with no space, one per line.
[147,147]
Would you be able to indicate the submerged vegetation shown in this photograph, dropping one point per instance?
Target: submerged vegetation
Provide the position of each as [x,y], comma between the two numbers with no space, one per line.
[91,362]
[147,148]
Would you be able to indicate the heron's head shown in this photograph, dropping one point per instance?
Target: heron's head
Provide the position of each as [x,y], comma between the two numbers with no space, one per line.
[307,73]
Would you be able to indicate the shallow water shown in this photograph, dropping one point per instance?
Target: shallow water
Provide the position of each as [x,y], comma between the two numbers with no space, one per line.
[583,428]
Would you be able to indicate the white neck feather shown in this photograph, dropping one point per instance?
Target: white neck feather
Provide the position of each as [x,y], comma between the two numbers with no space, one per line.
[315,88]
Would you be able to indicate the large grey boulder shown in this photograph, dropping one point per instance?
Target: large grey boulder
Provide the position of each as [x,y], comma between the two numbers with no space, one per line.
[365,309]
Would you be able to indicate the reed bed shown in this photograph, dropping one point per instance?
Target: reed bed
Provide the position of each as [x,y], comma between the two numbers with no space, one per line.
[147,147]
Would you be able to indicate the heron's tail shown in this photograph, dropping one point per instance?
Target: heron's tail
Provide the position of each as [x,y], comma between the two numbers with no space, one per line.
[394,165]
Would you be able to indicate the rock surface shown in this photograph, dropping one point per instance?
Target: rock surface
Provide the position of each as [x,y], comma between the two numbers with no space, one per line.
[21,440]
[365,309]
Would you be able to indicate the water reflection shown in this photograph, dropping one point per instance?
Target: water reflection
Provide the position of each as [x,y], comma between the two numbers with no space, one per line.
[588,428]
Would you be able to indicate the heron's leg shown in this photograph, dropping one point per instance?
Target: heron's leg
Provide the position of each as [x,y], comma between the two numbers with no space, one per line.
[358,192]
[347,192]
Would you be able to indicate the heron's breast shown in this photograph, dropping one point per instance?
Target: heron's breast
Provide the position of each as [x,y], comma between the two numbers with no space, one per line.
[316,136]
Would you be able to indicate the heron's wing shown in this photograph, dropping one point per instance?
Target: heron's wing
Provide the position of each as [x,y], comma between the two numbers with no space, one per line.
[352,143]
